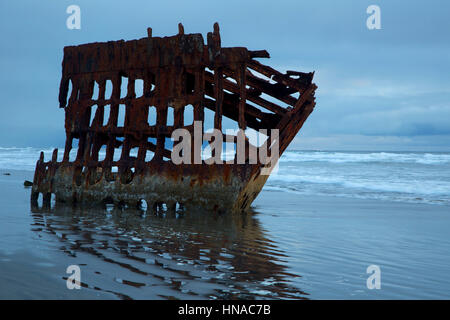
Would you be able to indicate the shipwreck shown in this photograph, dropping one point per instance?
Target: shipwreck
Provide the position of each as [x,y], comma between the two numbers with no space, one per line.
[175,72]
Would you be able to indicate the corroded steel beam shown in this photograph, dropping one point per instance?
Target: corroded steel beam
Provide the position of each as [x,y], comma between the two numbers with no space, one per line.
[175,72]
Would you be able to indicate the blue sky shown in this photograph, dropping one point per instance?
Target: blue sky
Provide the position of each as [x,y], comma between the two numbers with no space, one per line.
[385,89]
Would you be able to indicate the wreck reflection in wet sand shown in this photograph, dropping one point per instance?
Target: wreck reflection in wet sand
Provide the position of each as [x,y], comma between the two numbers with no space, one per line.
[180,255]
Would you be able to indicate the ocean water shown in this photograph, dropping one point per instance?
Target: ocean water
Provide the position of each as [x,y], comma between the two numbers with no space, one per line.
[418,177]
[321,220]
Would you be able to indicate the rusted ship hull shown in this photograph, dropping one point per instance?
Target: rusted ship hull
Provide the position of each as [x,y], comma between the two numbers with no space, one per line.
[176,71]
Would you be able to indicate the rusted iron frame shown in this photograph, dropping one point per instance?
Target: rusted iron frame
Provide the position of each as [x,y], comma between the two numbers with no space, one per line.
[118,131]
[135,132]
[301,111]
[299,84]
[277,91]
[251,110]
[251,96]
[231,110]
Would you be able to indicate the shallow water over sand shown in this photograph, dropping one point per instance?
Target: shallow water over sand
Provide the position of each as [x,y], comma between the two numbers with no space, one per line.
[290,247]
[137,254]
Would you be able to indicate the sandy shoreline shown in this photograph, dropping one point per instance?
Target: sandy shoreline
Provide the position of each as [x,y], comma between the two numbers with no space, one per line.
[294,246]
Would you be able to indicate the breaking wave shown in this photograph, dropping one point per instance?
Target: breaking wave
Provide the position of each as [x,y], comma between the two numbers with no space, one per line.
[350,157]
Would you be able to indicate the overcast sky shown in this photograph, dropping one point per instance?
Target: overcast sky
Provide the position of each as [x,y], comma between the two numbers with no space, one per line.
[385,89]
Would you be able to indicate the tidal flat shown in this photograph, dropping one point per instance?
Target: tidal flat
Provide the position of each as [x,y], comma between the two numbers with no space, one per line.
[290,246]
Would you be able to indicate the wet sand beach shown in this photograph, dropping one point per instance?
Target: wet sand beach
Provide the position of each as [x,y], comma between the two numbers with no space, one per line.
[291,246]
